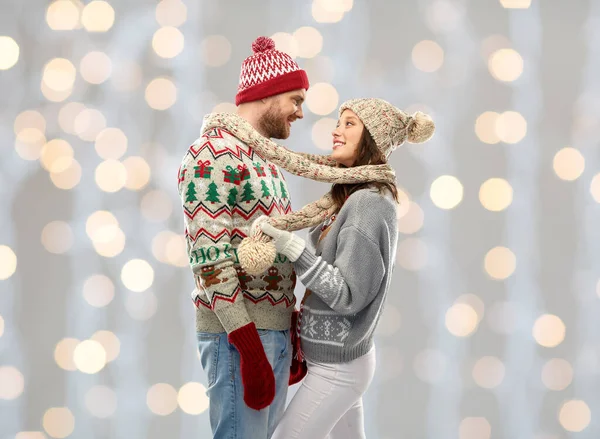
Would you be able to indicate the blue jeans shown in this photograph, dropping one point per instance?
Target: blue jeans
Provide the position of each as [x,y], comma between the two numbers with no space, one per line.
[230,418]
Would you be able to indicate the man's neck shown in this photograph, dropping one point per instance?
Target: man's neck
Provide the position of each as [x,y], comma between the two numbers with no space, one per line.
[249,115]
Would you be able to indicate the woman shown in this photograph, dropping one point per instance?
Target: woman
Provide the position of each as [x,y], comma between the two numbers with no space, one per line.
[347,276]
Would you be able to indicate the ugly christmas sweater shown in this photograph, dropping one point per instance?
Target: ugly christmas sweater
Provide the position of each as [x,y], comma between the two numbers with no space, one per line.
[224,187]
[347,275]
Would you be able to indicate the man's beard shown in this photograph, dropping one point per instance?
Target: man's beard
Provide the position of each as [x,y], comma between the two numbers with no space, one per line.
[274,125]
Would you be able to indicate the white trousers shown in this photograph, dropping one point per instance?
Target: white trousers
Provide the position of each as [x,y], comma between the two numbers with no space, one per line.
[328,404]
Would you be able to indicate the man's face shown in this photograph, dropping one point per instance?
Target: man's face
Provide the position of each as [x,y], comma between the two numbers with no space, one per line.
[281,111]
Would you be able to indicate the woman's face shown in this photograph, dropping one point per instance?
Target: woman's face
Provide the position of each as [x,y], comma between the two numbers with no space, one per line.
[346,138]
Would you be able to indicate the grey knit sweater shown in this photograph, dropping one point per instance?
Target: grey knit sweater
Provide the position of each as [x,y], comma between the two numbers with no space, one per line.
[348,273]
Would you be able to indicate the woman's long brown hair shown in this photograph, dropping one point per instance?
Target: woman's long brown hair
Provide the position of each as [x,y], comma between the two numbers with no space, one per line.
[368,154]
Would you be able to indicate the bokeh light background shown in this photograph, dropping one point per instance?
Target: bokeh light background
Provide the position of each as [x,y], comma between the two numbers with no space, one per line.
[491,328]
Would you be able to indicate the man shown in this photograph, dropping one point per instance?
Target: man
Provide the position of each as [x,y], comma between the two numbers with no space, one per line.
[243,321]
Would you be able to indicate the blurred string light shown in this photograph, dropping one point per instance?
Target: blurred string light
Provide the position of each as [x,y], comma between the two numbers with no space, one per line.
[500,263]
[105,233]
[171,13]
[111,143]
[412,221]
[568,164]
[461,320]
[428,56]
[330,11]
[488,372]
[192,398]
[575,416]
[162,399]
[8,262]
[595,188]
[64,15]
[111,176]
[446,192]
[9,52]
[90,357]
[509,127]
[110,342]
[169,248]
[515,4]
[57,237]
[322,98]
[496,194]
[30,435]
[58,422]
[98,16]
[168,42]
[137,275]
[95,67]
[505,65]
[321,133]
[549,331]
[557,374]
[98,290]
[475,428]
[12,383]
[161,94]
[412,254]
[63,353]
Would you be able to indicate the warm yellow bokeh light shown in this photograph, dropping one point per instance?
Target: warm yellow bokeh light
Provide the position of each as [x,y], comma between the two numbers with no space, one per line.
[286,43]
[595,188]
[474,302]
[98,290]
[159,245]
[9,52]
[568,164]
[496,194]
[161,94]
[101,225]
[511,127]
[111,143]
[309,41]
[89,357]
[328,11]
[57,237]
[403,203]
[575,415]
[475,428]
[321,133]
[111,176]
[428,56]
[98,16]
[112,247]
[192,398]
[63,353]
[110,342]
[138,173]
[171,13]
[322,98]
[58,422]
[12,383]
[137,275]
[461,320]
[488,372]
[412,254]
[176,253]
[57,155]
[168,42]
[89,123]
[141,306]
[485,127]
[54,95]
[549,331]
[162,399]
[412,220]
[8,262]
[493,43]
[446,192]
[101,401]
[515,4]
[30,435]
[63,15]
[500,263]
[30,119]
[506,65]
[69,178]
[557,374]
[95,67]
[29,143]
[216,50]
[59,74]
[156,206]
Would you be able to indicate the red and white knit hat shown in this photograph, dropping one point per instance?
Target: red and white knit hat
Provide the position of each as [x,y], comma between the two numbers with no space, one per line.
[268,72]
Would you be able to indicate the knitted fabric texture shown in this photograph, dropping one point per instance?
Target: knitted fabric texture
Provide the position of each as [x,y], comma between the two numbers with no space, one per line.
[389,126]
[268,72]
